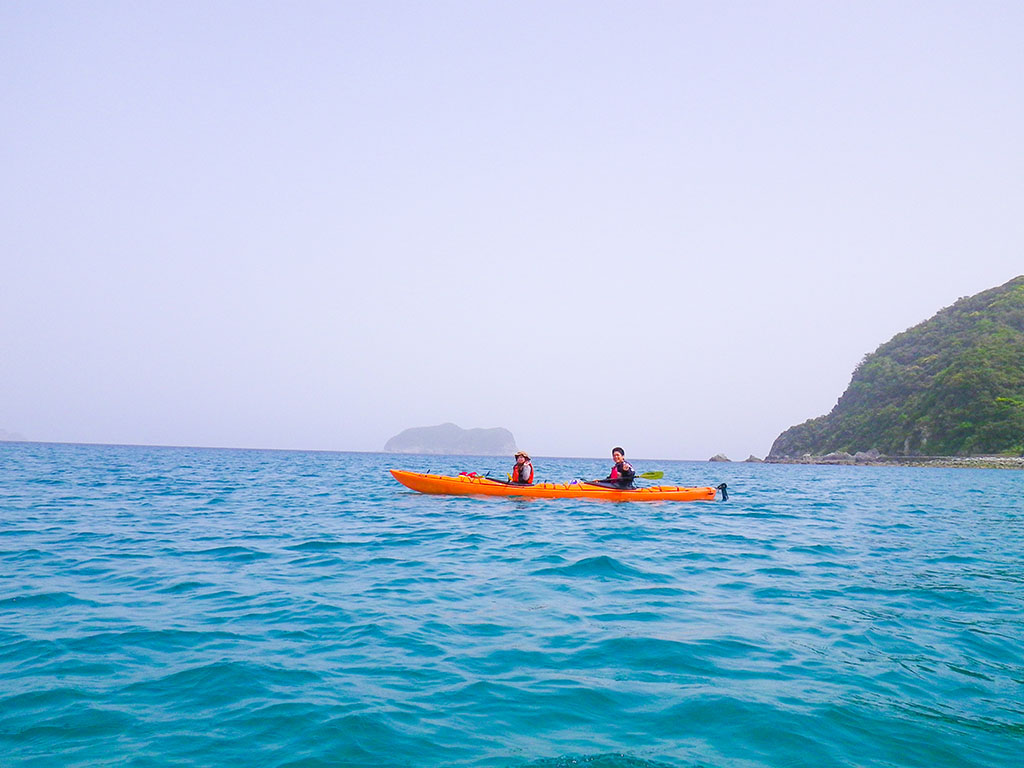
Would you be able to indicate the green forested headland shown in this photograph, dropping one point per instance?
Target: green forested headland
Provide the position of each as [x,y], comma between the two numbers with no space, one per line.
[951,386]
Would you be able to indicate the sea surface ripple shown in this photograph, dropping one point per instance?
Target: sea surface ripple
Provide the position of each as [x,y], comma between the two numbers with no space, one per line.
[201,607]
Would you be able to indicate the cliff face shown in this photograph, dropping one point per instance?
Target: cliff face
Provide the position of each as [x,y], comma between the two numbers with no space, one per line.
[451,439]
[950,386]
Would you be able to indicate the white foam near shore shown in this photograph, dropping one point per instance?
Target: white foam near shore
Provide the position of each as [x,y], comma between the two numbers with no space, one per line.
[969,462]
[986,462]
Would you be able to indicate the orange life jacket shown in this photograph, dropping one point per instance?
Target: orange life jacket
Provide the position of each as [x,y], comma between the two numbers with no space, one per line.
[515,473]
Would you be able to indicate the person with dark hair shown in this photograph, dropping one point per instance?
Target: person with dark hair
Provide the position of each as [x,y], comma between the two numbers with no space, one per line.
[522,472]
[621,475]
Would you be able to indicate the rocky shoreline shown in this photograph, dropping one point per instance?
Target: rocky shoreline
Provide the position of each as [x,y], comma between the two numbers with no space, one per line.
[875,459]
[878,460]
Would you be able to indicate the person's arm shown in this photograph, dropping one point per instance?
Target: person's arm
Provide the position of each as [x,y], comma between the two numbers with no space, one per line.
[626,475]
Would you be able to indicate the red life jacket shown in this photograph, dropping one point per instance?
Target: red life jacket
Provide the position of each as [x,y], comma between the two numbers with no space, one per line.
[515,473]
[615,475]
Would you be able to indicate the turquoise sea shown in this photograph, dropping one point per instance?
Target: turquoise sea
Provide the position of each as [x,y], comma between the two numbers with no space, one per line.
[200,607]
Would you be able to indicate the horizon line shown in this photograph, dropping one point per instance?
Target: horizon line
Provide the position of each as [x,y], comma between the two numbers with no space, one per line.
[315,450]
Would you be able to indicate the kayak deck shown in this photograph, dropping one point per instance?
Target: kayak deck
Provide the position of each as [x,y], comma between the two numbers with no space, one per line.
[469,485]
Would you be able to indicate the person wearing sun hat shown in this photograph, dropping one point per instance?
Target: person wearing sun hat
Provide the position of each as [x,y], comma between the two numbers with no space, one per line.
[522,472]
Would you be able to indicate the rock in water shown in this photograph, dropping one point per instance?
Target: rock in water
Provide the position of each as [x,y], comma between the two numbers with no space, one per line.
[836,457]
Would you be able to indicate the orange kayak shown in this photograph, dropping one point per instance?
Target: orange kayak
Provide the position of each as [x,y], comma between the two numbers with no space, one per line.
[470,485]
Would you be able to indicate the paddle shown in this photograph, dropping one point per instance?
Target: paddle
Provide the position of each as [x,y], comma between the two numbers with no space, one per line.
[644,475]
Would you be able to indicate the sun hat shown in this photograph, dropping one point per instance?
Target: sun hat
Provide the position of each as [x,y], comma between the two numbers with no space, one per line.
[522,453]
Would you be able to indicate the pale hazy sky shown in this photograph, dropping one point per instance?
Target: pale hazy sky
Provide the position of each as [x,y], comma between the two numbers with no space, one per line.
[675,226]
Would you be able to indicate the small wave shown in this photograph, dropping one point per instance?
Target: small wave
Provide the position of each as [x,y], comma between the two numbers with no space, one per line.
[610,760]
[484,630]
[28,652]
[629,616]
[319,545]
[503,661]
[778,571]
[737,586]
[232,553]
[955,559]
[356,739]
[183,587]
[44,600]
[333,562]
[601,567]
[817,549]
[24,554]
[146,641]
[80,723]
[382,561]
[42,701]
[645,592]
[217,684]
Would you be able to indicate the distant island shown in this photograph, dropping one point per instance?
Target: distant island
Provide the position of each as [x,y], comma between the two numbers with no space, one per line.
[952,386]
[11,437]
[451,439]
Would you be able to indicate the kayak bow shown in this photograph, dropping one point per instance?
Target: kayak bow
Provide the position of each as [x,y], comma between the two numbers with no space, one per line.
[468,485]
